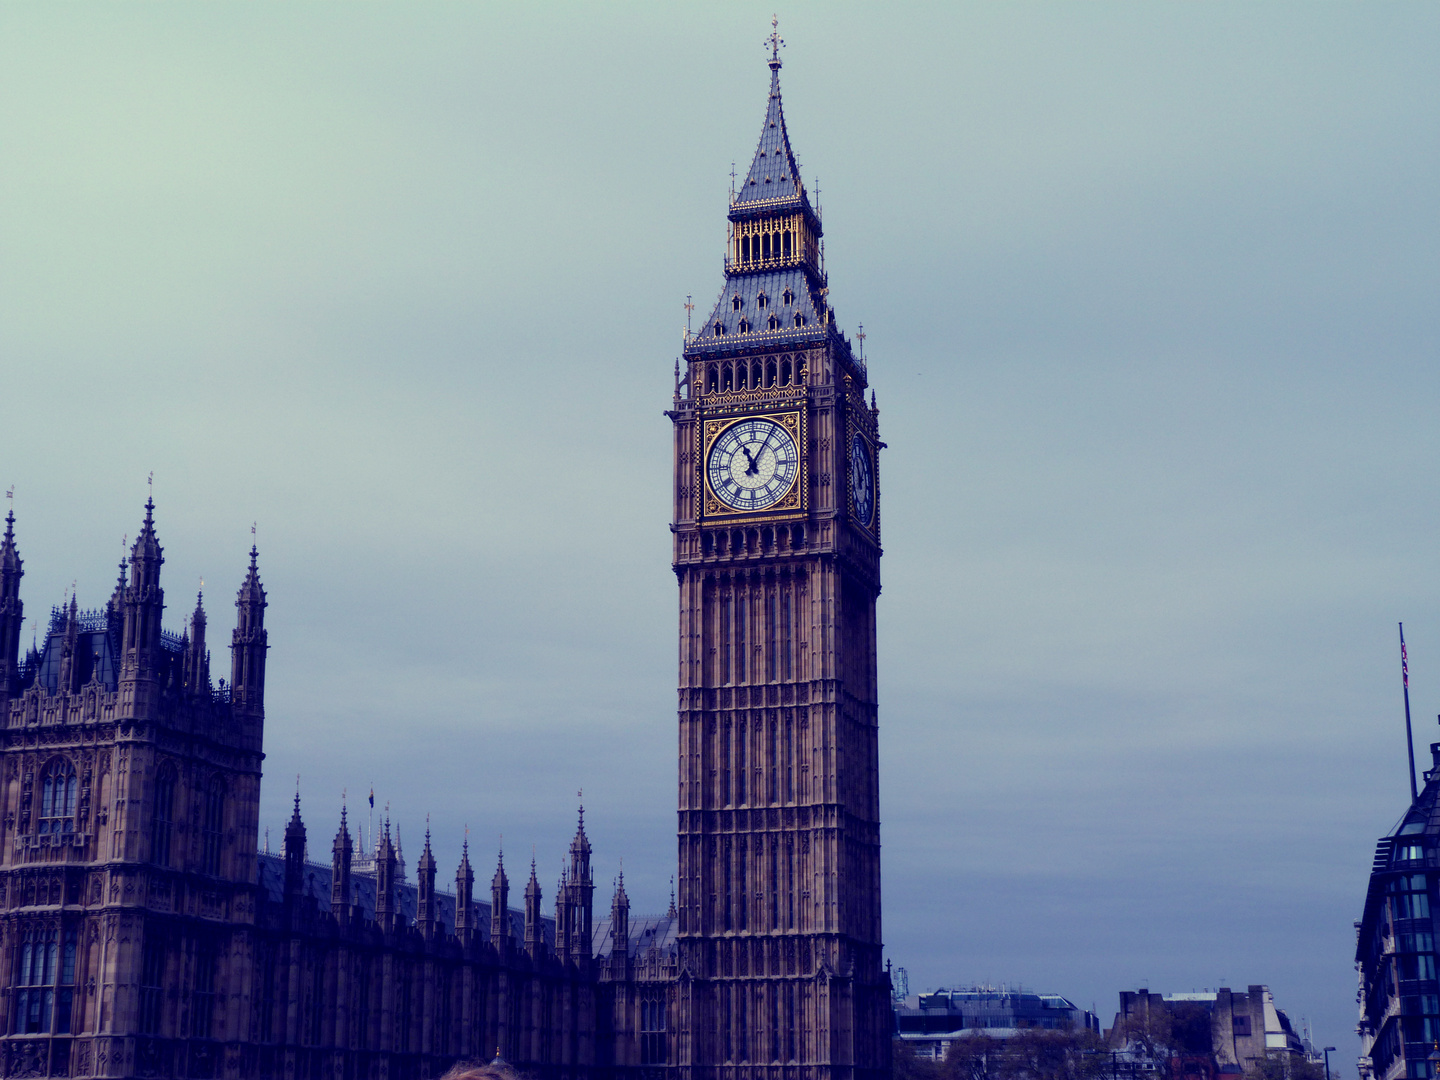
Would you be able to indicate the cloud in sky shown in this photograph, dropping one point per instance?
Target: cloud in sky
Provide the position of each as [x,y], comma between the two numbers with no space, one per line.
[1149,301]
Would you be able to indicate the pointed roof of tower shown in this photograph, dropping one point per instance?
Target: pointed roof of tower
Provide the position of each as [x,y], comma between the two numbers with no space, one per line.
[385,849]
[621,899]
[500,881]
[9,557]
[295,828]
[147,546]
[251,591]
[581,844]
[532,887]
[773,181]
[426,858]
[342,836]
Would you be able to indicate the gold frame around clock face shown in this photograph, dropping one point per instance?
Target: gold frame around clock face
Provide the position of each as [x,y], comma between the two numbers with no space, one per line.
[791,502]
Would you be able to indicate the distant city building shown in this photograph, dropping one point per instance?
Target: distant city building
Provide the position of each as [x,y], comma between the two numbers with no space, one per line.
[928,1023]
[1395,946]
[1221,1032]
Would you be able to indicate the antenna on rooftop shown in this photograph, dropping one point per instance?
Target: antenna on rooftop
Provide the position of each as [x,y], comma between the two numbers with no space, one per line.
[1409,738]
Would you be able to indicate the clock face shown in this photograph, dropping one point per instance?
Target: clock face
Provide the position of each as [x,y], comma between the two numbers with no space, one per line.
[862,480]
[753,464]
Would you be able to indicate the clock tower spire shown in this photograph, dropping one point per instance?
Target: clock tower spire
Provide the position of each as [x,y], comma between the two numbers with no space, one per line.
[777,556]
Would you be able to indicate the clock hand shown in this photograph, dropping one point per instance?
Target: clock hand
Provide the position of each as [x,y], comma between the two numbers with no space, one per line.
[750,469]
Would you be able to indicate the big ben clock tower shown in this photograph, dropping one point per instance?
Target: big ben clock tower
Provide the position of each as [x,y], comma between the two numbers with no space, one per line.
[777,555]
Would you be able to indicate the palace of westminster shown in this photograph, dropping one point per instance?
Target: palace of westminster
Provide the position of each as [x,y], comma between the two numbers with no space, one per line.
[143,933]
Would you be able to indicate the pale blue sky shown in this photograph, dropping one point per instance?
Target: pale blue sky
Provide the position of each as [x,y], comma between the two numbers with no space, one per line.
[1150,301]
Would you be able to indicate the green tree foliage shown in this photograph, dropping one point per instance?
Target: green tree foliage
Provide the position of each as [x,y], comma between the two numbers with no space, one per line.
[905,1064]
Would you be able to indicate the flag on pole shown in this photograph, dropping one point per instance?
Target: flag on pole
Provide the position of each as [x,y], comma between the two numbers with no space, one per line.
[1404,666]
[372,798]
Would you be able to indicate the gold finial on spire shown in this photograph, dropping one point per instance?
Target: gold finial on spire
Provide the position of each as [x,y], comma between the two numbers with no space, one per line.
[775,41]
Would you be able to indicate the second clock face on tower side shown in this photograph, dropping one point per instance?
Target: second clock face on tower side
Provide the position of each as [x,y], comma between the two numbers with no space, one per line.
[752,465]
[862,480]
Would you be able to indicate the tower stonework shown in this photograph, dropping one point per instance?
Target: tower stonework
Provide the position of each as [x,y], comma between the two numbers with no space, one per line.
[777,557]
[129,802]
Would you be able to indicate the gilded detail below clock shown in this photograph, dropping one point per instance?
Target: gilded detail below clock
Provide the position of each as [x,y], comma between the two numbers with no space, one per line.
[752,464]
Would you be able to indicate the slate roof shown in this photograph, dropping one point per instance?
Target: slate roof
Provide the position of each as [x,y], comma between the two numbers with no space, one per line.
[647,932]
[748,287]
[773,181]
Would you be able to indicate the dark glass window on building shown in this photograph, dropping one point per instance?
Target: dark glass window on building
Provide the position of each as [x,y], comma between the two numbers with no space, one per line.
[202,994]
[1411,899]
[163,819]
[1416,965]
[152,988]
[44,982]
[57,799]
[653,1049]
[213,832]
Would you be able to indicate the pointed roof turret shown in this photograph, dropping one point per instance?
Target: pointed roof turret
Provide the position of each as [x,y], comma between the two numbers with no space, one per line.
[295,848]
[9,557]
[775,292]
[773,182]
[464,894]
[252,593]
[500,881]
[464,869]
[146,554]
[581,843]
[12,611]
[621,899]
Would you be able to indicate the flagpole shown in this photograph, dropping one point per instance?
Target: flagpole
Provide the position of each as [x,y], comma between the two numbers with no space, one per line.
[1409,738]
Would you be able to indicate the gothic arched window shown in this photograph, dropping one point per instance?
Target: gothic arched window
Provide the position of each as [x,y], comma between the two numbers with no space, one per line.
[789,297]
[163,819]
[213,831]
[44,983]
[57,798]
[735,302]
[761,300]
[774,323]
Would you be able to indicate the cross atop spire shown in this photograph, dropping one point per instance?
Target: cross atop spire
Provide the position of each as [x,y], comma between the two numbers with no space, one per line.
[775,42]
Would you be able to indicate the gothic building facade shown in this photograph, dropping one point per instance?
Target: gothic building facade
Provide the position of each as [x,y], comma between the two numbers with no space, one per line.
[144,933]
